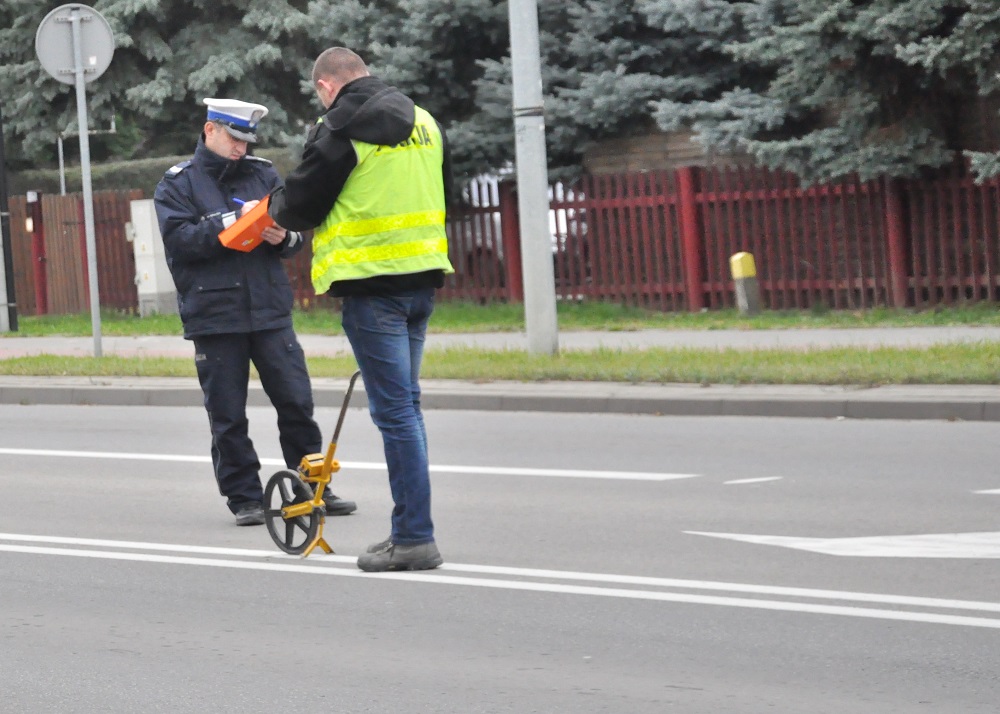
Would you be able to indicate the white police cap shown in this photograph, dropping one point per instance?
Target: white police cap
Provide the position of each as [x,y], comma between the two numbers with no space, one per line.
[239,118]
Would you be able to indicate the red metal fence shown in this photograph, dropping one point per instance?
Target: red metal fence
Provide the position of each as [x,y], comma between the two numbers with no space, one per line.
[67,285]
[658,239]
[663,239]
[950,232]
[824,244]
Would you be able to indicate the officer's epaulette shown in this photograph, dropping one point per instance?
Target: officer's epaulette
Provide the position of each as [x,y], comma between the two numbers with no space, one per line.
[266,162]
[174,170]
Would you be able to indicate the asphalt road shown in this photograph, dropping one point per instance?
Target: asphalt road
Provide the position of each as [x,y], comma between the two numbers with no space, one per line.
[593,564]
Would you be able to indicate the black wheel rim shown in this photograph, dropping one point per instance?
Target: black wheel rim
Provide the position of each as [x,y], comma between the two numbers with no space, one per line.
[294,535]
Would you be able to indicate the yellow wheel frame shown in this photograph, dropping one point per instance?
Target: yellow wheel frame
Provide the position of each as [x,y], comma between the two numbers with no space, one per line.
[316,470]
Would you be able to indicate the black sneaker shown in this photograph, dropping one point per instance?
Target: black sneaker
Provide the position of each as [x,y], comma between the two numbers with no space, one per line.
[250,514]
[401,557]
[338,506]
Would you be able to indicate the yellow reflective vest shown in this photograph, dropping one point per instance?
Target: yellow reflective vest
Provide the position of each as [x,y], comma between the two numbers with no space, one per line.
[389,219]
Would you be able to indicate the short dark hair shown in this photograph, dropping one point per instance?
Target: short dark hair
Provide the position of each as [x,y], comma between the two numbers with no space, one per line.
[340,63]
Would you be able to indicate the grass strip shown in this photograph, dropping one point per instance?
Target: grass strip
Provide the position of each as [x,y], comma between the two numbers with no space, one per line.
[973,363]
[467,317]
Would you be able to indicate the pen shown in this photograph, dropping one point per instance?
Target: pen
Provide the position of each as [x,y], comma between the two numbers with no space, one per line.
[238,201]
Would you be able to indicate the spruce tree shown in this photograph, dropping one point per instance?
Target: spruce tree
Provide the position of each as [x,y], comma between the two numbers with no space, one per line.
[872,87]
[603,63]
[965,50]
[428,48]
[169,55]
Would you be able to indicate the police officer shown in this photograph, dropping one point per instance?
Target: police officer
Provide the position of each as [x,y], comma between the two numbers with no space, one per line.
[237,306]
[374,181]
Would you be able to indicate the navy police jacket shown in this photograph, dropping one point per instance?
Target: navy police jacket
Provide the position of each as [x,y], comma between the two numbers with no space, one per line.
[220,290]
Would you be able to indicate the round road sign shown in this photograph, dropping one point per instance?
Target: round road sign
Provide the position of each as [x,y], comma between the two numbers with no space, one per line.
[54,43]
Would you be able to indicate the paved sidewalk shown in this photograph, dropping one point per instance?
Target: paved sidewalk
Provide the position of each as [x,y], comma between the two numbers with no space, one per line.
[972,403]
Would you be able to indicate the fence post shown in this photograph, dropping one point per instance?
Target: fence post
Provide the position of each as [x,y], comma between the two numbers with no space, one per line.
[895,228]
[34,201]
[691,236]
[510,237]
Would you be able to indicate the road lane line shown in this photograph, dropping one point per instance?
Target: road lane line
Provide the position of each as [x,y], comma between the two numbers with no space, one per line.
[140,545]
[554,588]
[569,473]
[751,480]
[922,545]
[639,580]
[780,590]
[363,465]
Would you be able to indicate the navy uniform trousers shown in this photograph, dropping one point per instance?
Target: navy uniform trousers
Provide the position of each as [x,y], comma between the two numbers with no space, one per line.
[223,363]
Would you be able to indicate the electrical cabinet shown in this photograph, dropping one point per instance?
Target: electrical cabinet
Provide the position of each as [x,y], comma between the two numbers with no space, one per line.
[157,293]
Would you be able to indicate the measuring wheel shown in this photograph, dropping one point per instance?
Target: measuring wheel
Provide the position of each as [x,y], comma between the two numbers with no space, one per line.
[292,535]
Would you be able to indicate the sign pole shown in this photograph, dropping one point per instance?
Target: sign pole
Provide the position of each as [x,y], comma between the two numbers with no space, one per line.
[63,58]
[8,316]
[88,194]
[62,168]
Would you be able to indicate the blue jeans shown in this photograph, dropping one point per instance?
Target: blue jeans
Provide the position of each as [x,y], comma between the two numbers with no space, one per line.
[387,336]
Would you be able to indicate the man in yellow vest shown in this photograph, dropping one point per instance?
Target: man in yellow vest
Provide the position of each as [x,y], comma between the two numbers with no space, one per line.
[374,182]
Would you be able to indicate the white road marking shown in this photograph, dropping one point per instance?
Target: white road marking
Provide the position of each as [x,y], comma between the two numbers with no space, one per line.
[324,559]
[364,466]
[569,473]
[751,480]
[933,545]
[320,566]
[989,492]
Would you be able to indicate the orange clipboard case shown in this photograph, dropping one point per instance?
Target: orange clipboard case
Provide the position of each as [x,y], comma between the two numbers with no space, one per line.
[244,235]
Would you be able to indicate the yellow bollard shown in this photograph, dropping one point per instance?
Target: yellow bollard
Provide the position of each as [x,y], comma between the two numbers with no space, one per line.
[744,272]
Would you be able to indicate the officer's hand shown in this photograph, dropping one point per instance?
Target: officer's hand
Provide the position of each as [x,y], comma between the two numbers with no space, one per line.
[247,207]
[274,234]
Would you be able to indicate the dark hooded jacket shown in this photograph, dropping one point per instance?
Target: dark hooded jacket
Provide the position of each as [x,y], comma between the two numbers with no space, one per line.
[220,290]
[368,110]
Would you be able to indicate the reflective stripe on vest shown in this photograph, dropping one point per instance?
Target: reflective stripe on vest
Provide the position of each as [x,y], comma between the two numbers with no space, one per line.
[389,223]
[396,251]
[389,219]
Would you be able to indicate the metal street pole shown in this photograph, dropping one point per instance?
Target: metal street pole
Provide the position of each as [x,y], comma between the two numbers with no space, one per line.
[8,317]
[90,37]
[88,194]
[62,168]
[532,180]
[66,135]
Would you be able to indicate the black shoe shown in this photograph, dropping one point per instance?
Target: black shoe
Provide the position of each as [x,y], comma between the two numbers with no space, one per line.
[338,506]
[250,514]
[401,557]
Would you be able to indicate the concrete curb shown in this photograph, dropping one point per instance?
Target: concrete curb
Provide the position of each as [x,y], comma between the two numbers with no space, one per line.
[965,403]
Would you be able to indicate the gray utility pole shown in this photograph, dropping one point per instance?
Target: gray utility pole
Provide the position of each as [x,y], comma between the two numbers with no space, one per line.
[64,38]
[532,180]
